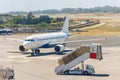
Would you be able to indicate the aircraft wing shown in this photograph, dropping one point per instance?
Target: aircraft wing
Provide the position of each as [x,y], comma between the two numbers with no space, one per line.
[75,41]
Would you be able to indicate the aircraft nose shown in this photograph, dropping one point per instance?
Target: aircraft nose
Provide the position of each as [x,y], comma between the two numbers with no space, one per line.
[21,48]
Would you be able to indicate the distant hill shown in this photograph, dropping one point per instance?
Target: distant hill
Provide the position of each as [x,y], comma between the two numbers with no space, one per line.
[105,9]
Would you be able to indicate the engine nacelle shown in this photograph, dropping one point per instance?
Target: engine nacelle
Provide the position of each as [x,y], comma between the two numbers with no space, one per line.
[59,48]
[22,48]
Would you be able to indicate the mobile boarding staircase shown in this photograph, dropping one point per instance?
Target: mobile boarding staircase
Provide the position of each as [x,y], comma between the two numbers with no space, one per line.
[93,51]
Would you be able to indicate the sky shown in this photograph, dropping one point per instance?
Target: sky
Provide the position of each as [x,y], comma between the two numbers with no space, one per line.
[32,5]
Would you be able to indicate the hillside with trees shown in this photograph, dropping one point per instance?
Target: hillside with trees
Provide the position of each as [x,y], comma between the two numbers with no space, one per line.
[22,19]
[29,20]
[105,9]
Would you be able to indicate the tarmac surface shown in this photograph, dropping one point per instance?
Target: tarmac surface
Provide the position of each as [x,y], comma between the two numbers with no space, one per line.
[42,67]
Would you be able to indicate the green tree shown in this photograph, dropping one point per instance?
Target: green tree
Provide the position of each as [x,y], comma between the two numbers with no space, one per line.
[45,18]
[30,18]
[42,24]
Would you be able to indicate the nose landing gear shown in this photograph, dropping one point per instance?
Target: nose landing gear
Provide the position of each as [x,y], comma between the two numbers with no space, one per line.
[35,52]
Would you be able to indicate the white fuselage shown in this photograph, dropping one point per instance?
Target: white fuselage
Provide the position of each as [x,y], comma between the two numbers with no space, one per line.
[44,40]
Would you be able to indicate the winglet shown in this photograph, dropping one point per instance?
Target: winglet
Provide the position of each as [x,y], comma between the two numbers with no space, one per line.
[65,26]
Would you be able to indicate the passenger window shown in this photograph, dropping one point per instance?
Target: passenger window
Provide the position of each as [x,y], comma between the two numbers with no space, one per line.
[29,40]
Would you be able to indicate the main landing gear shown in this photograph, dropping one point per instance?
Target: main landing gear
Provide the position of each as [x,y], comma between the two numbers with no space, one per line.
[35,52]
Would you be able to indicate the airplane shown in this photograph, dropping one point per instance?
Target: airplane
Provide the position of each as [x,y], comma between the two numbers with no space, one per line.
[48,40]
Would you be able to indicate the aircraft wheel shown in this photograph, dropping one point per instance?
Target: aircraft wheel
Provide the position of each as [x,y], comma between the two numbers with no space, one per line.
[32,54]
[59,53]
[66,72]
[86,73]
[37,51]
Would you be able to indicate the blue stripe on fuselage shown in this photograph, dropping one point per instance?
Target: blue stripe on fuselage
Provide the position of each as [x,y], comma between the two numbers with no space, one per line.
[47,46]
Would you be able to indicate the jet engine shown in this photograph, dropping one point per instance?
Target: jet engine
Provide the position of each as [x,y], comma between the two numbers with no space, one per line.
[59,48]
[22,48]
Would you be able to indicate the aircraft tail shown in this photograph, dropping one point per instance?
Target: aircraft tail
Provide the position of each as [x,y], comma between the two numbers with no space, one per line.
[66,25]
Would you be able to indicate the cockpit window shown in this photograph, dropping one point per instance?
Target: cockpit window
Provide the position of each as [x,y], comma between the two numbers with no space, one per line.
[29,39]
